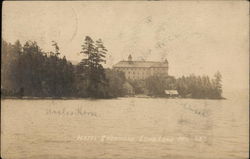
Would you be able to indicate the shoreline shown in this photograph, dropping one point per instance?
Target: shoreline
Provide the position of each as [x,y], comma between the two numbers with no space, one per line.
[79,98]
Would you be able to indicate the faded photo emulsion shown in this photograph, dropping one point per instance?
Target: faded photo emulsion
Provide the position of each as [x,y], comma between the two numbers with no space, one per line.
[125,80]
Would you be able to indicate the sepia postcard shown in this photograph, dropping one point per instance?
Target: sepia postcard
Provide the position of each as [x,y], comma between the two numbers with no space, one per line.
[125,80]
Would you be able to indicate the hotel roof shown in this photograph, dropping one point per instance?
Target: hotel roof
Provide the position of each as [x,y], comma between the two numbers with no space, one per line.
[144,64]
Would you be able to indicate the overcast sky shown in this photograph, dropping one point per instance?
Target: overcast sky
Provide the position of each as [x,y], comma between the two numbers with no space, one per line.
[195,37]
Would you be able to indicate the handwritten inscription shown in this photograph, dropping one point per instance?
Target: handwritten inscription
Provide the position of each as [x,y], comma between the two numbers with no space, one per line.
[160,139]
[65,112]
[200,112]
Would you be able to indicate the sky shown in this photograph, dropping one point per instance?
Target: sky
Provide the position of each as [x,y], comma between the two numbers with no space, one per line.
[197,37]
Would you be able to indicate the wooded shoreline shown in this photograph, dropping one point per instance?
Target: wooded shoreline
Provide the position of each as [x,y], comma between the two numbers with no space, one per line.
[28,71]
[79,98]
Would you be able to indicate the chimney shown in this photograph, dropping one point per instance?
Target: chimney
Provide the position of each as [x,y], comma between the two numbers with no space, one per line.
[129,58]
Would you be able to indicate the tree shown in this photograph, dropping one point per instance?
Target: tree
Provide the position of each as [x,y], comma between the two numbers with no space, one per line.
[139,86]
[156,85]
[56,48]
[217,84]
[93,71]
[116,80]
[10,54]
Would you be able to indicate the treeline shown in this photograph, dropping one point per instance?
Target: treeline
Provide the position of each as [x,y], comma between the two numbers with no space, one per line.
[200,86]
[27,70]
[187,86]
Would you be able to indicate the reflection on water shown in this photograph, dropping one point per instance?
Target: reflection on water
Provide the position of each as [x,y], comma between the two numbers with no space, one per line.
[125,128]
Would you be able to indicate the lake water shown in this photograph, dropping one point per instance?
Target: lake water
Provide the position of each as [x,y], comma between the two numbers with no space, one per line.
[125,128]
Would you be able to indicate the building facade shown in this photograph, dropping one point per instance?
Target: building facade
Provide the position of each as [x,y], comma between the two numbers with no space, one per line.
[139,70]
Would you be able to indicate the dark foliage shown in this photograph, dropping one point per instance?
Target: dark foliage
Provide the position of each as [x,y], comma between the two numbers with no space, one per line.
[116,80]
[188,87]
[28,71]
[90,70]
[200,86]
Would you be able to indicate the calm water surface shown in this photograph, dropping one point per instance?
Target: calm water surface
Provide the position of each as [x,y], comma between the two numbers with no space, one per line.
[125,128]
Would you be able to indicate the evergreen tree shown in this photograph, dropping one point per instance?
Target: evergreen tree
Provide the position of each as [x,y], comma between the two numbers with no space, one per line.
[93,71]
[217,84]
